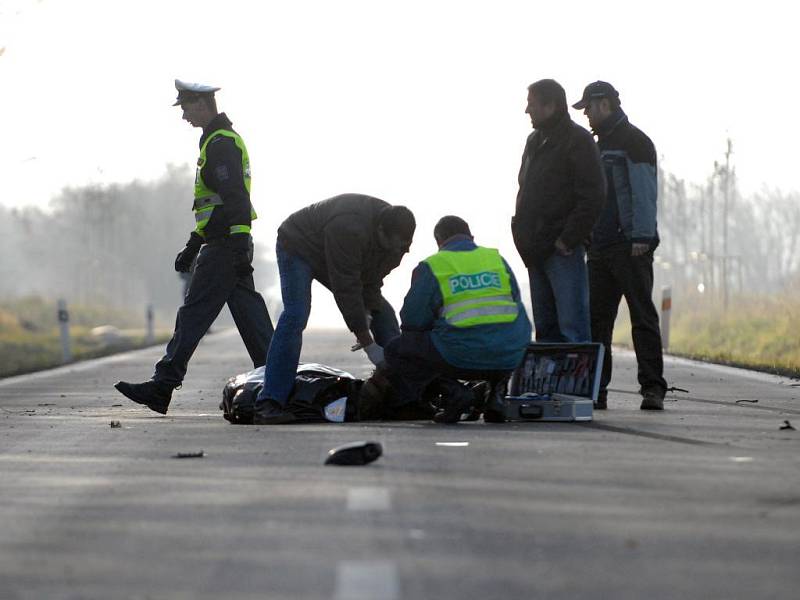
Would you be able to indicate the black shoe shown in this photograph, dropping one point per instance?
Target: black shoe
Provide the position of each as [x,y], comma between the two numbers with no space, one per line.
[456,402]
[493,416]
[154,395]
[602,401]
[494,410]
[411,411]
[652,401]
[271,413]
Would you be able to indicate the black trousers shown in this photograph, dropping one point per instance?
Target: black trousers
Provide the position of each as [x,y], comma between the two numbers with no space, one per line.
[413,363]
[214,284]
[614,274]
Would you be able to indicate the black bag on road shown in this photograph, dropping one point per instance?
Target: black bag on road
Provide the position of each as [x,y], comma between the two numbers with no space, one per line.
[320,394]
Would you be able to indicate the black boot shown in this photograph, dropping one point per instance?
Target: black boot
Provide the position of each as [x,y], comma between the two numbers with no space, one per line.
[271,412]
[456,400]
[153,394]
[652,400]
[494,411]
[480,391]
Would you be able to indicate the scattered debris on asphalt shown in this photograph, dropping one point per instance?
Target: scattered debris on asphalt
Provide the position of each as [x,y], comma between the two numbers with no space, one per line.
[787,425]
[115,405]
[46,404]
[746,400]
[116,425]
[200,454]
[354,453]
[677,389]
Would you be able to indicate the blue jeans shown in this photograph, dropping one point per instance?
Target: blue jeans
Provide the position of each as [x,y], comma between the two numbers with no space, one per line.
[287,341]
[560,297]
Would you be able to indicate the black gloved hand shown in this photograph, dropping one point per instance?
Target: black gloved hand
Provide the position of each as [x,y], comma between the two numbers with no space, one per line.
[239,243]
[183,262]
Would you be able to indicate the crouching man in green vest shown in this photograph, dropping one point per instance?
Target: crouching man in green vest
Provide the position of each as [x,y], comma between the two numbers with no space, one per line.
[223,273]
[461,319]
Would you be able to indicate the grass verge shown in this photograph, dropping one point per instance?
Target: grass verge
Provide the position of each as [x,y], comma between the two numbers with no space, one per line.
[757,332]
[30,337]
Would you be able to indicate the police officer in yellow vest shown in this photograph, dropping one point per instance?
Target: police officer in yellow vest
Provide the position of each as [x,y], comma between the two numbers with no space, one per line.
[461,319]
[223,247]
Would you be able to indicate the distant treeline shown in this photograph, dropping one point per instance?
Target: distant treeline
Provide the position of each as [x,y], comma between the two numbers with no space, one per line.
[719,243]
[105,245]
[115,244]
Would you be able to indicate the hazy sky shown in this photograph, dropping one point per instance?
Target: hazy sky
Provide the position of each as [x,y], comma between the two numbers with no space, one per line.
[419,103]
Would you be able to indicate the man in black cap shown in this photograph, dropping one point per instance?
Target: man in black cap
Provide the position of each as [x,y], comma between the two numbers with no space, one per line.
[561,190]
[223,247]
[623,241]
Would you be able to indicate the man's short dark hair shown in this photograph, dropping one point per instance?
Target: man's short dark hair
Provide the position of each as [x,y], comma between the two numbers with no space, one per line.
[448,226]
[549,91]
[398,220]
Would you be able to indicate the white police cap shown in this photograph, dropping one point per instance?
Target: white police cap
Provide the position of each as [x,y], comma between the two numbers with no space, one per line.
[192,91]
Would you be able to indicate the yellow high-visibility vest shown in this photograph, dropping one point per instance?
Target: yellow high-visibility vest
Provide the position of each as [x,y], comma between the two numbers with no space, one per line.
[205,199]
[475,286]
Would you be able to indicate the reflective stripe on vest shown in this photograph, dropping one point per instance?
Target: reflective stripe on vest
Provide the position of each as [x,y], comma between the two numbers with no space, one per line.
[205,199]
[475,286]
[201,203]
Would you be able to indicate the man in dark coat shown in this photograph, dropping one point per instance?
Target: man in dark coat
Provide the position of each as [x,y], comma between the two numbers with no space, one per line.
[561,192]
[623,241]
[348,243]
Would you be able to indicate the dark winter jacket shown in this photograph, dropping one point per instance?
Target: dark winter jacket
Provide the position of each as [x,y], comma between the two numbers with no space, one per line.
[222,173]
[338,238]
[561,189]
[629,158]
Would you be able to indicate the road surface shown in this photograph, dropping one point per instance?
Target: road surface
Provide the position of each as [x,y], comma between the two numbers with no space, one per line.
[700,501]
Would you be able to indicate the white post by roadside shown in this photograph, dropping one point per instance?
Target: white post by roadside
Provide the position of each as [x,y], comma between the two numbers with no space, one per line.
[666,309]
[150,336]
[63,323]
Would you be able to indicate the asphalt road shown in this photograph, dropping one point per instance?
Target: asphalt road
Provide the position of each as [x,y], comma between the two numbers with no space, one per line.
[701,501]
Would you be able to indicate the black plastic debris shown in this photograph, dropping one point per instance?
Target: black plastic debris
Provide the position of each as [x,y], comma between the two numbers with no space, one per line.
[746,400]
[787,425]
[116,425]
[354,453]
[200,454]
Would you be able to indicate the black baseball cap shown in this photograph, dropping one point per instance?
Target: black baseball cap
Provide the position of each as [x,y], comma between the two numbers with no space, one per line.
[598,89]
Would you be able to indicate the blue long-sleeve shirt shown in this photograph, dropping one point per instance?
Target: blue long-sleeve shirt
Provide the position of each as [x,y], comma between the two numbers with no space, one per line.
[494,346]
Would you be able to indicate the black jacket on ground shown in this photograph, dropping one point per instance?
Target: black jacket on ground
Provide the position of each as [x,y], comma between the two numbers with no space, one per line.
[222,173]
[561,189]
[338,237]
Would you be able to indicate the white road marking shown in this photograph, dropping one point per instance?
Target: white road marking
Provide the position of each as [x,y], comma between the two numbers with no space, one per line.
[366,580]
[368,498]
[453,444]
